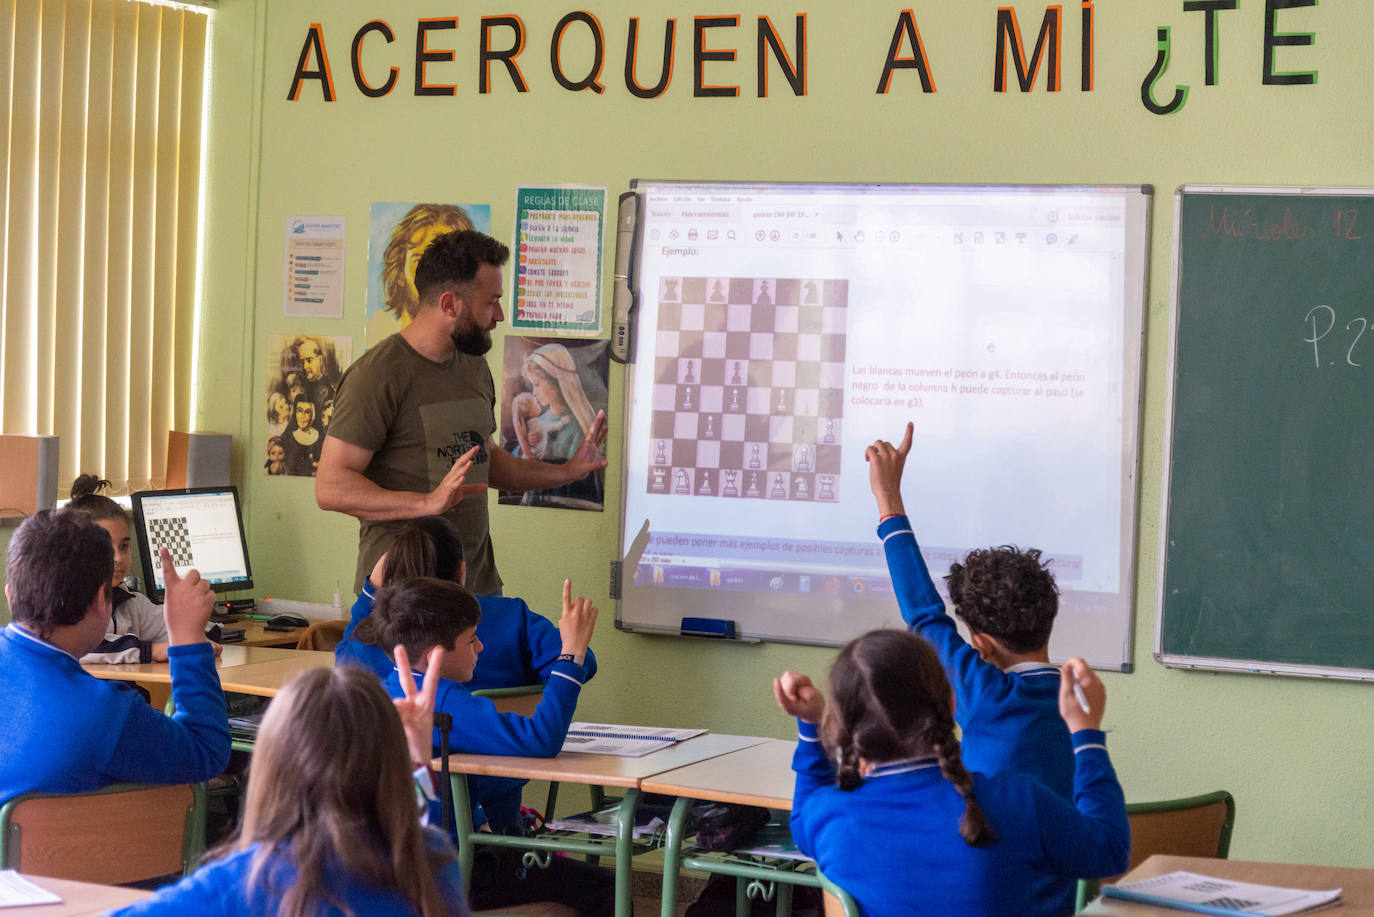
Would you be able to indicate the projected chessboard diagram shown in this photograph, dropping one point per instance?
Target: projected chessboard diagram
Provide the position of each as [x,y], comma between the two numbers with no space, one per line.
[171,532]
[748,393]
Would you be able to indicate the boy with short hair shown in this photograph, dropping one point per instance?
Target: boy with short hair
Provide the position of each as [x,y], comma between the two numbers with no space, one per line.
[1006,691]
[419,614]
[67,731]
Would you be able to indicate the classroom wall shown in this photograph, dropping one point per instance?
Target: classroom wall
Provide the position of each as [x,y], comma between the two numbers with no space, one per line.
[1294,752]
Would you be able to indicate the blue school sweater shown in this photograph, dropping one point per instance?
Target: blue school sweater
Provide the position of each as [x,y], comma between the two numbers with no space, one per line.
[66,731]
[1010,719]
[220,889]
[519,647]
[893,843]
[479,728]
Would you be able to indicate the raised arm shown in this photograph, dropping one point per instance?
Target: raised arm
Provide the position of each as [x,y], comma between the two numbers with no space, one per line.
[192,745]
[922,608]
[341,486]
[799,697]
[1092,838]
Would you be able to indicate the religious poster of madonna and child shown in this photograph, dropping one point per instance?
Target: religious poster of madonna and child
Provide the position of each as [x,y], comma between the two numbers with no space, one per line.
[552,391]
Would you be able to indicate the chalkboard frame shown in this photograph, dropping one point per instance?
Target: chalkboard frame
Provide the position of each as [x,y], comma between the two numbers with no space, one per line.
[1173,659]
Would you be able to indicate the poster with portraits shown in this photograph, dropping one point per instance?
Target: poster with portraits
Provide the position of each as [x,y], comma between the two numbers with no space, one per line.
[551,392]
[303,372]
[398,235]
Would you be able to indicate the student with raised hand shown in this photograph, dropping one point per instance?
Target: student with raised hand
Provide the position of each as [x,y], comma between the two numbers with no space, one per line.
[137,631]
[900,819]
[420,614]
[331,825]
[67,731]
[1006,690]
[520,647]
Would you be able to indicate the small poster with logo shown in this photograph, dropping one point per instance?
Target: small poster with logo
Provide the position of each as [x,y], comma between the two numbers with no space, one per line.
[314,262]
[558,233]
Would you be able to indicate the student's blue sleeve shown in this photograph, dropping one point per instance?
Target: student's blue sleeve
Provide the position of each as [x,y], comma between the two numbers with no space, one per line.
[814,771]
[1092,838]
[479,728]
[544,644]
[189,747]
[924,612]
[361,609]
[207,891]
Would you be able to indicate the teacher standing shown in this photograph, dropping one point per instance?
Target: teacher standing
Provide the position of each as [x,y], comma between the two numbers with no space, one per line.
[413,418]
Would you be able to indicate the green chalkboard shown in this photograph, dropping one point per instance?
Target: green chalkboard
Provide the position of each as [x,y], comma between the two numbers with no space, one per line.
[1267,548]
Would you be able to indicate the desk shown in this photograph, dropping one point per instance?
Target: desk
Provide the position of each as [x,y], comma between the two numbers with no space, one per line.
[78,898]
[760,775]
[592,770]
[1358,884]
[245,669]
[255,633]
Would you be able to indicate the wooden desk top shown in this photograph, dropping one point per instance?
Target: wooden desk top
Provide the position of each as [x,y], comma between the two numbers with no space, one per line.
[760,775]
[601,770]
[231,656]
[1357,897]
[255,633]
[267,678]
[78,898]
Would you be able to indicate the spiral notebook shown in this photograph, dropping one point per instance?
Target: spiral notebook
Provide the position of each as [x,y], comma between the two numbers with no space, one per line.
[1189,891]
[623,741]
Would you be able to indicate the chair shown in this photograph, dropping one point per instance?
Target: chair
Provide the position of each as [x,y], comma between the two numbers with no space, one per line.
[125,832]
[837,901]
[1197,826]
[322,636]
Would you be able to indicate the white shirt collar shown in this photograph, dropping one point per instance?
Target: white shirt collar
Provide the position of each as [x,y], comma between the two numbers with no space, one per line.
[29,635]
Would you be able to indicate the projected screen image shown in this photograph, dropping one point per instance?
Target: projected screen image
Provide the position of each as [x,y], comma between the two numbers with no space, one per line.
[782,329]
[202,530]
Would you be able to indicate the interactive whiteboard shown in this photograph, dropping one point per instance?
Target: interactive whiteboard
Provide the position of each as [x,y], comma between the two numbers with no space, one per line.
[779,329]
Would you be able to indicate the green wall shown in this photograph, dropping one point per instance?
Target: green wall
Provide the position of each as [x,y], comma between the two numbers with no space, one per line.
[1294,752]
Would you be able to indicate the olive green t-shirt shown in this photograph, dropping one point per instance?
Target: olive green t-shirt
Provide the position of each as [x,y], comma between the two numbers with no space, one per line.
[416,417]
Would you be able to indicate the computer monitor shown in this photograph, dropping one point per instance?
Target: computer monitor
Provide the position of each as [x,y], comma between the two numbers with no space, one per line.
[202,527]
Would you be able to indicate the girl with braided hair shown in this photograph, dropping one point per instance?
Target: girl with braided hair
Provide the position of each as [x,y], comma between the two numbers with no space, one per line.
[884,803]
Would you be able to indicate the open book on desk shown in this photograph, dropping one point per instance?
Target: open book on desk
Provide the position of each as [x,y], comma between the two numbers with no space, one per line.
[622,741]
[1188,891]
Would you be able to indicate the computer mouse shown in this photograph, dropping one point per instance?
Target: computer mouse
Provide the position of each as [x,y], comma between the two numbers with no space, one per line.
[285,620]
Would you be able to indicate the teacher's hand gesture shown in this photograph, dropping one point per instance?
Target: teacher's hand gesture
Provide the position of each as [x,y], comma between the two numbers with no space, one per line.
[452,489]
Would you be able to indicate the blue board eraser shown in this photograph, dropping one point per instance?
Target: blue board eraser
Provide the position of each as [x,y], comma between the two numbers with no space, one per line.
[708,627]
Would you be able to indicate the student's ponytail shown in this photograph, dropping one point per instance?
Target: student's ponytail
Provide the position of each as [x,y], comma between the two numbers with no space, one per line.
[974,827]
[87,498]
[847,766]
[890,701]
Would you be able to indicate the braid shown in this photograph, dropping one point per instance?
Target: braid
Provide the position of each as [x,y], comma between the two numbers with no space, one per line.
[974,827]
[847,769]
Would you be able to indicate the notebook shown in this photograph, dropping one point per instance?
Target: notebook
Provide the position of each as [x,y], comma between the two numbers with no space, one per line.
[622,741]
[1188,891]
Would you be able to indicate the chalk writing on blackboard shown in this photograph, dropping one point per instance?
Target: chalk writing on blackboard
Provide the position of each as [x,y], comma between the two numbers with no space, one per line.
[1323,320]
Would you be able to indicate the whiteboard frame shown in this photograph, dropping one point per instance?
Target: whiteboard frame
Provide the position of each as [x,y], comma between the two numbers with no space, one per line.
[1211,663]
[1133,350]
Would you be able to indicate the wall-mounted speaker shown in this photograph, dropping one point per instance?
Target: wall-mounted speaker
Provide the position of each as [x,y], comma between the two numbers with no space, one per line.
[29,481]
[198,459]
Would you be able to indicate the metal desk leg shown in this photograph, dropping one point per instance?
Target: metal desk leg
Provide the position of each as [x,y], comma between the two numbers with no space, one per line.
[624,853]
[673,839]
[462,820]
